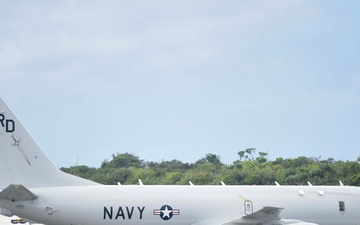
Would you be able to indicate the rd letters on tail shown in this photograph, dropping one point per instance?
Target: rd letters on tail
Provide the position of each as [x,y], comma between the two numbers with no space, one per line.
[7,124]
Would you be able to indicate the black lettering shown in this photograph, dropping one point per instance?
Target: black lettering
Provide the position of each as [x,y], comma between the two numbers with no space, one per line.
[107,213]
[141,210]
[10,126]
[130,213]
[120,213]
[2,118]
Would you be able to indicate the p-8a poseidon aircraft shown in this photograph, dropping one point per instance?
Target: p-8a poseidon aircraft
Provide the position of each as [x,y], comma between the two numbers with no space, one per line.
[33,189]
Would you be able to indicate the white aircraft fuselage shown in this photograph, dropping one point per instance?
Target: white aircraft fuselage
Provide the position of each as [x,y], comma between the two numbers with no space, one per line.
[33,189]
[187,204]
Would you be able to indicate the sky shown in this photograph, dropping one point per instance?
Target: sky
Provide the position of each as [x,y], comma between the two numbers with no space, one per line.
[169,79]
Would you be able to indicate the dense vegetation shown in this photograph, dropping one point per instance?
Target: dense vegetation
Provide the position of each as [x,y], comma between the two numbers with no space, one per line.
[248,169]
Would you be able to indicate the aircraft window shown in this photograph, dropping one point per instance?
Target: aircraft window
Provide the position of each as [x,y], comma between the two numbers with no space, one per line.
[342,206]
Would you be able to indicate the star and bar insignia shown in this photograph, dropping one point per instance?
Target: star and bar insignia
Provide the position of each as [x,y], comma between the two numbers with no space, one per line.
[166,212]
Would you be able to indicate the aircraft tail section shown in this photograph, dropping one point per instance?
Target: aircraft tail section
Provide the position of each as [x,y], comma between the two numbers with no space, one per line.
[22,161]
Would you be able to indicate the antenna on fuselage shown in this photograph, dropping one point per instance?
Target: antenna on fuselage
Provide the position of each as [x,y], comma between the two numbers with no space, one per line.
[191,183]
[222,183]
[277,184]
[141,183]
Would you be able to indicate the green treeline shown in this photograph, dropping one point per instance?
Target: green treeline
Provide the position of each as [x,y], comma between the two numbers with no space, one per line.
[249,169]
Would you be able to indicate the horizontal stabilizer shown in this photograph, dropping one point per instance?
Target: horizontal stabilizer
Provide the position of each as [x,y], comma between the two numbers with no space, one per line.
[17,192]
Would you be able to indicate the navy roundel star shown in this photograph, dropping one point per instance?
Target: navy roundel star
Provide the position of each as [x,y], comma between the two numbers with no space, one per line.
[166,212]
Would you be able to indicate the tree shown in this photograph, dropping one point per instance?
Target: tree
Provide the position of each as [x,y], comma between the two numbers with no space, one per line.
[263,157]
[212,158]
[128,168]
[81,171]
[250,152]
[124,160]
[241,155]
[247,154]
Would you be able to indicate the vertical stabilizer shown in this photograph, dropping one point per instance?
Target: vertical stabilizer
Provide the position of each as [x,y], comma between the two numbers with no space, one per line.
[22,161]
